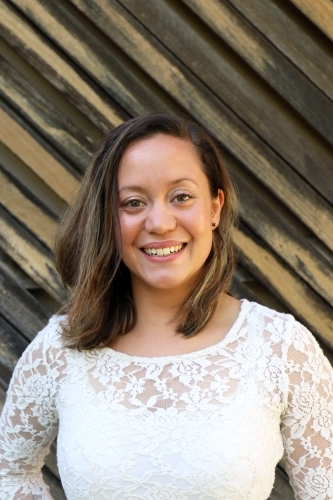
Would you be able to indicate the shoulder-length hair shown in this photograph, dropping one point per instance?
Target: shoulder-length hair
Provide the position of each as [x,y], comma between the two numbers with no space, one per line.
[88,242]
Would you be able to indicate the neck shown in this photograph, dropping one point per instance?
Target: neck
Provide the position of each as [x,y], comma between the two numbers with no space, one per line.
[157,307]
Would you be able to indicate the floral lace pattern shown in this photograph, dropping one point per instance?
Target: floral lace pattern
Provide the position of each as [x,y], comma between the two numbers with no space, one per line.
[206,425]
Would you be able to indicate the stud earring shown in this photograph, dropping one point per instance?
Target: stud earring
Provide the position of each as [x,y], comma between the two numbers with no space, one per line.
[213,223]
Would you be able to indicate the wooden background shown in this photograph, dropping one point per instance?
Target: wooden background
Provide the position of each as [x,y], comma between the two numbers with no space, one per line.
[257,74]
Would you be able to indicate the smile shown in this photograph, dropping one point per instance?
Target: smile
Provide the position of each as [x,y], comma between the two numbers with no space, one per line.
[162,252]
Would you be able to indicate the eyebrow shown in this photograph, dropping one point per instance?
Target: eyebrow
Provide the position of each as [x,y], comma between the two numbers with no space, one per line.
[141,189]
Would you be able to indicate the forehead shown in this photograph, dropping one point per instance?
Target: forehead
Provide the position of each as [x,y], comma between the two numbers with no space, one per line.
[160,156]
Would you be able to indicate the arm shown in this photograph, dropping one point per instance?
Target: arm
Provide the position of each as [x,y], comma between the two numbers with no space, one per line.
[28,425]
[307,424]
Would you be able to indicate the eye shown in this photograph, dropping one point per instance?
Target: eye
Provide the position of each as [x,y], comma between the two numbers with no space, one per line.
[182,198]
[134,204]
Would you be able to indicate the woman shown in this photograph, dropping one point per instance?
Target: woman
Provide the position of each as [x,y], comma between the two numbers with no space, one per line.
[160,384]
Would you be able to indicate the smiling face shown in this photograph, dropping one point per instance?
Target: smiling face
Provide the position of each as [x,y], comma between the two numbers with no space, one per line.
[165,213]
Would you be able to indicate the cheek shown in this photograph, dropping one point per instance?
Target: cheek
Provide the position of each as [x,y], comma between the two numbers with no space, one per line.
[199,222]
[128,228]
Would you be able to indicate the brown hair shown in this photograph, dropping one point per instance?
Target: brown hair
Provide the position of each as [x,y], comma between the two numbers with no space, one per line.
[88,243]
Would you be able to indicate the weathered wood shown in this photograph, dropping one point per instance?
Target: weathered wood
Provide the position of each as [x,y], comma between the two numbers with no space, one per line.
[12,345]
[2,397]
[16,273]
[29,254]
[267,61]
[306,305]
[19,307]
[45,117]
[241,291]
[135,93]
[252,153]
[292,41]
[299,258]
[248,98]
[43,56]
[53,482]
[320,13]
[15,134]
[282,489]
[27,209]
[295,249]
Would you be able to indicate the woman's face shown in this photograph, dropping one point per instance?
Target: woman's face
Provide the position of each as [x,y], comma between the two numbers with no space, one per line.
[165,212]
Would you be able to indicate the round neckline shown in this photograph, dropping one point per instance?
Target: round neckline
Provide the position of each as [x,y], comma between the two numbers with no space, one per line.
[178,357]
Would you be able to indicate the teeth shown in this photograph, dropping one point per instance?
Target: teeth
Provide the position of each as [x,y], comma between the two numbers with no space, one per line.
[163,251]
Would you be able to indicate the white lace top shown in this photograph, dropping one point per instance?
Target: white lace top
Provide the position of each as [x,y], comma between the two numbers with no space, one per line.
[207,425]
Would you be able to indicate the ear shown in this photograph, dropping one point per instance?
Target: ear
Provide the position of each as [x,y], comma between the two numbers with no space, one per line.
[217,204]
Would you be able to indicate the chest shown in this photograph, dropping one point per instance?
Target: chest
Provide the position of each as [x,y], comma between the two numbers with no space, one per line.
[125,439]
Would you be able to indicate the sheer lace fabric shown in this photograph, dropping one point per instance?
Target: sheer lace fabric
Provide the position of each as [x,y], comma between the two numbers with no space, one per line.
[211,424]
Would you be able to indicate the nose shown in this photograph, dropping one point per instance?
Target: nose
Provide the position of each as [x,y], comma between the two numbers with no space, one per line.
[160,220]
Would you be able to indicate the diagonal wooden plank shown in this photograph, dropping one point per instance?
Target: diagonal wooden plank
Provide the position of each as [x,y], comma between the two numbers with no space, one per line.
[40,53]
[26,209]
[307,306]
[29,254]
[310,268]
[267,61]
[235,85]
[296,250]
[319,12]
[31,151]
[134,93]
[284,32]
[282,489]
[44,116]
[19,307]
[12,345]
[200,103]
[53,482]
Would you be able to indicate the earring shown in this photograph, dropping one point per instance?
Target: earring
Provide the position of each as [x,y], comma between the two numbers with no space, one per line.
[213,223]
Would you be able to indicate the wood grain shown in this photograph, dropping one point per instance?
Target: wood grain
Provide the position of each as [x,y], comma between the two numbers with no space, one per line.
[237,87]
[12,344]
[200,103]
[295,249]
[296,44]
[305,304]
[97,59]
[35,156]
[41,54]
[20,308]
[320,13]
[29,254]
[26,209]
[267,61]
[44,116]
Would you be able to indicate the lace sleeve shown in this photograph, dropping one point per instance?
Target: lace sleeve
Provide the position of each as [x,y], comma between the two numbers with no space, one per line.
[307,424]
[28,425]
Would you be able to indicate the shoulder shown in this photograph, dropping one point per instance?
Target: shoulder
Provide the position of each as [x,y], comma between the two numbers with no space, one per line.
[48,341]
[51,334]
[267,322]
[281,328]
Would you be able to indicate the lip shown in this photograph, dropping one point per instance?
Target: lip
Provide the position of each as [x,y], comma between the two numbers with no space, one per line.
[165,258]
[163,244]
